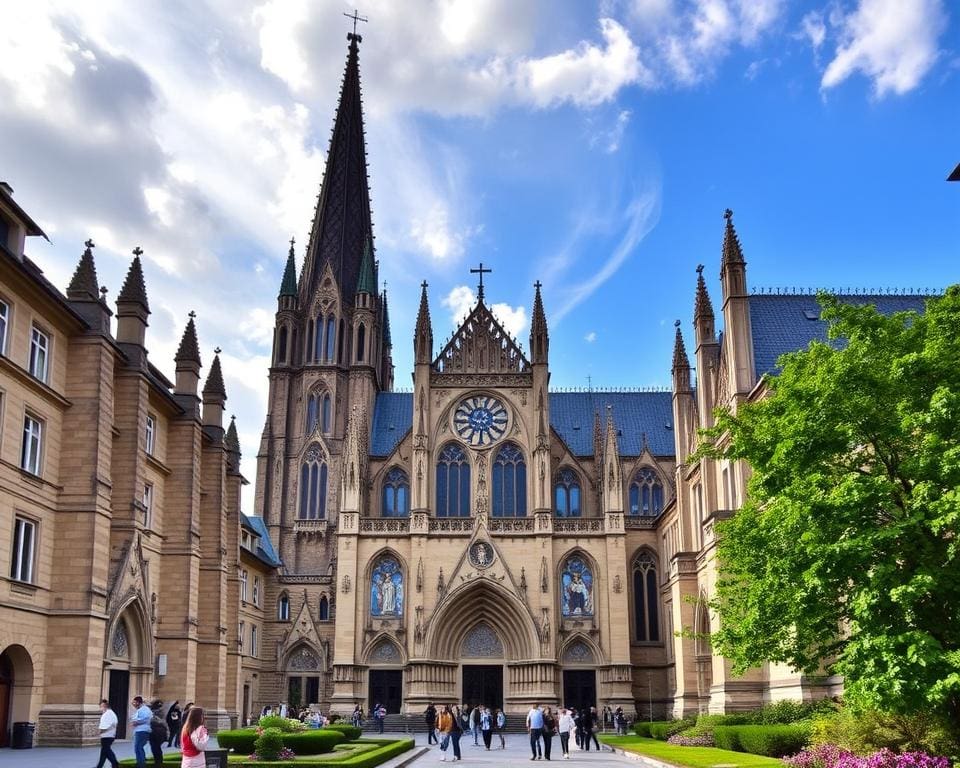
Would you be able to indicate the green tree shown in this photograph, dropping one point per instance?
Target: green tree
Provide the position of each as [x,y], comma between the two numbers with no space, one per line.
[845,553]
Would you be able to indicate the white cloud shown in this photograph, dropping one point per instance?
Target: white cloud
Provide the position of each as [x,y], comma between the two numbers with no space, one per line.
[590,337]
[513,319]
[461,300]
[814,29]
[610,139]
[892,42]
[432,233]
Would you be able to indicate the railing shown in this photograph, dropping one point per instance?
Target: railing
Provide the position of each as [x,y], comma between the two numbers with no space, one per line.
[578,525]
[451,525]
[636,522]
[384,525]
[510,524]
[309,526]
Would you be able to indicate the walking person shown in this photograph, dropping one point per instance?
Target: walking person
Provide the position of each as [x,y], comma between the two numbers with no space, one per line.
[430,717]
[173,724]
[194,739]
[577,728]
[141,730]
[501,720]
[108,732]
[589,728]
[565,726]
[457,731]
[475,725]
[445,726]
[158,732]
[549,728]
[535,729]
[486,727]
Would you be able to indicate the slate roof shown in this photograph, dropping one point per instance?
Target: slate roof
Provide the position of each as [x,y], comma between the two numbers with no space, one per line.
[571,415]
[786,323]
[265,550]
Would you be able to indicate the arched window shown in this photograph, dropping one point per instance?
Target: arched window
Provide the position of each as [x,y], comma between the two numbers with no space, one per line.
[308,353]
[283,608]
[318,340]
[566,494]
[311,413]
[282,345]
[509,483]
[331,337]
[325,415]
[340,344]
[646,494]
[453,482]
[396,493]
[323,609]
[646,615]
[361,341]
[313,485]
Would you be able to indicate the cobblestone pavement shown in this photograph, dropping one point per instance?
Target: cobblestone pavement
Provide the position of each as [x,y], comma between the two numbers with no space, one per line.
[517,753]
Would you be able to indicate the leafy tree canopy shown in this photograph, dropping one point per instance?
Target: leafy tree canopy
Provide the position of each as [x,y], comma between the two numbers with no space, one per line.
[845,553]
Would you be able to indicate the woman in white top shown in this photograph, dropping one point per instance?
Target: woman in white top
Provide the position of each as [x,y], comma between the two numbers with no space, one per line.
[193,740]
[566,727]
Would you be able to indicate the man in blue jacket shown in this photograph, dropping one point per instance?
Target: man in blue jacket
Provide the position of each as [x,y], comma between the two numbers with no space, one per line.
[141,730]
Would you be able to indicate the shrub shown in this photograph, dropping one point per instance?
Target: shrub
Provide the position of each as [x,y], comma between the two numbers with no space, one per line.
[736,719]
[869,730]
[698,736]
[832,756]
[665,729]
[269,744]
[789,711]
[350,731]
[642,728]
[284,724]
[240,741]
[769,740]
[314,742]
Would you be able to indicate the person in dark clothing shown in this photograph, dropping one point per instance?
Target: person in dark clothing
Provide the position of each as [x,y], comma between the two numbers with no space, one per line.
[173,725]
[430,717]
[589,729]
[486,726]
[158,732]
[456,732]
[549,728]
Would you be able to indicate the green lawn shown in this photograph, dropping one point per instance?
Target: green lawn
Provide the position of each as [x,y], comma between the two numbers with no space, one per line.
[694,757]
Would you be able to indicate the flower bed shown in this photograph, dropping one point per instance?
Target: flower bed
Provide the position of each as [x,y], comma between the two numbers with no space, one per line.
[832,756]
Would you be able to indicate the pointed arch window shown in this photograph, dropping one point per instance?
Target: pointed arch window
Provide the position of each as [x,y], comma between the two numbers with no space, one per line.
[509,483]
[646,493]
[331,337]
[323,609]
[313,485]
[317,351]
[361,341]
[308,347]
[453,482]
[396,493]
[340,344]
[283,607]
[646,602]
[311,413]
[566,494]
[282,345]
[325,415]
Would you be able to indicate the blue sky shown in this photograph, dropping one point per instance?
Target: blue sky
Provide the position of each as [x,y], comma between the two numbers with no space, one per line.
[593,146]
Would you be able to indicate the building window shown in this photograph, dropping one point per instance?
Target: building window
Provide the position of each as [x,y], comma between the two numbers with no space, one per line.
[31,454]
[308,342]
[283,608]
[282,345]
[256,591]
[698,504]
[311,414]
[325,415]
[341,342]
[729,493]
[240,631]
[253,640]
[509,483]
[148,506]
[243,585]
[151,434]
[4,323]
[645,599]
[24,545]
[396,493]
[646,494]
[324,608]
[566,494]
[313,486]
[331,337]
[453,482]
[361,341]
[39,353]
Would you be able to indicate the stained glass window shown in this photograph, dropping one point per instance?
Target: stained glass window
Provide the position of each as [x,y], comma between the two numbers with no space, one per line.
[396,493]
[509,483]
[313,485]
[646,494]
[453,482]
[567,494]
[646,599]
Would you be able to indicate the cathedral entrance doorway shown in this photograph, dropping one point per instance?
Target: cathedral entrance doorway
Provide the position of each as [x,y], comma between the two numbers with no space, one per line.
[483,684]
[119,697]
[579,688]
[386,688]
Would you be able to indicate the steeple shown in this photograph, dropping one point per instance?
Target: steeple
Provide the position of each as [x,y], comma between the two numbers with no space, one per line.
[387,341]
[231,441]
[342,222]
[288,285]
[539,338]
[187,361]
[423,336]
[612,481]
[214,395]
[84,285]
[681,363]
[703,318]
[134,289]
[367,282]
[214,385]
[731,243]
[132,306]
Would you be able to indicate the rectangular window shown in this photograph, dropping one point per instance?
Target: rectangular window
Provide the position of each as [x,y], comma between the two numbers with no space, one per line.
[253,640]
[39,353]
[148,506]
[32,450]
[256,590]
[24,544]
[4,323]
[243,585]
[240,636]
[151,436]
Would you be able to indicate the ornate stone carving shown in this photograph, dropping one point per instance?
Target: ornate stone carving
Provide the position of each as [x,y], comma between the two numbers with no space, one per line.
[578,653]
[345,584]
[120,646]
[617,584]
[481,642]
[385,652]
[481,555]
[545,627]
[441,584]
[543,575]
[303,660]
[420,576]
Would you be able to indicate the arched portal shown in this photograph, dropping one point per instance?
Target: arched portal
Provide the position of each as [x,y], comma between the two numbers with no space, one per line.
[304,671]
[16,688]
[703,653]
[128,659]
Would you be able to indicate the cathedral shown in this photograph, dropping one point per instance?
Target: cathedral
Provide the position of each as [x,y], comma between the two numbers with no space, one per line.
[479,539]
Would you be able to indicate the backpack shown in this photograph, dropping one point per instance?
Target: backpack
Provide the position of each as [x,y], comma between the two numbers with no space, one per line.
[158,728]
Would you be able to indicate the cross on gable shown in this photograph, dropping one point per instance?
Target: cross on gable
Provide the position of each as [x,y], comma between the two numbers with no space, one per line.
[480,271]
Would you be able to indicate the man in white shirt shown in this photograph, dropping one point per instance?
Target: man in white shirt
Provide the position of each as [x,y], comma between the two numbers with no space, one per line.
[535,729]
[108,732]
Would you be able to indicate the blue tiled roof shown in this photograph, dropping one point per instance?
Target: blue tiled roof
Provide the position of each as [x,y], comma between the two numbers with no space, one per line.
[634,414]
[571,415]
[783,323]
[265,550]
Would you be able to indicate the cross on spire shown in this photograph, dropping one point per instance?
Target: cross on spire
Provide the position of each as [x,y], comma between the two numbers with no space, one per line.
[292,241]
[138,251]
[356,17]
[89,242]
[538,285]
[480,271]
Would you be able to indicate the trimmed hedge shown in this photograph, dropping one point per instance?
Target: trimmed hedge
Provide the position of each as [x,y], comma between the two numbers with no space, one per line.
[240,740]
[315,742]
[769,740]
[384,750]
[350,731]
[665,729]
[642,728]
[710,721]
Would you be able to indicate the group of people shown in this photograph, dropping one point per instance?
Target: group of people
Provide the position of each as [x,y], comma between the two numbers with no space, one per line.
[310,717]
[182,728]
[543,725]
[448,726]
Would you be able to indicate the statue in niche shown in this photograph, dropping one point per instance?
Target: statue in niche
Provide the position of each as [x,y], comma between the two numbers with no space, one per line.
[386,588]
[576,588]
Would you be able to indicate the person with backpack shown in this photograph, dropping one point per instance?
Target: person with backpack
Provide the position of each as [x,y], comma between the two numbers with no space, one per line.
[430,718]
[173,725]
[158,732]
[380,715]
[486,727]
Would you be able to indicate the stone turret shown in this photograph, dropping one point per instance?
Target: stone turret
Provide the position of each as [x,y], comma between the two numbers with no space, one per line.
[214,396]
[738,333]
[187,361]
[84,292]
[132,306]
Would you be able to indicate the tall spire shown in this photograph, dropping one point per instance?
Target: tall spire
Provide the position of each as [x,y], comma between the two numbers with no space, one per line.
[423,335]
[214,385]
[732,254]
[387,341]
[288,286]
[702,307]
[680,359]
[342,223]
[367,282]
[539,338]
[84,284]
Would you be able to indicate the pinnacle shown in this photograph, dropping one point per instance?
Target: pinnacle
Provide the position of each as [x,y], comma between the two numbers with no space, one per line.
[387,341]
[134,289]
[84,284]
[189,351]
[214,384]
[231,439]
[367,282]
[288,286]
[423,315]
[680,359]
[732,253]
[702,306]
[539,319]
